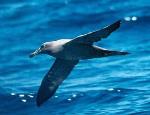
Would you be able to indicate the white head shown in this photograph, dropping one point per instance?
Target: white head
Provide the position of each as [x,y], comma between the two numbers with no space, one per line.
[44,49]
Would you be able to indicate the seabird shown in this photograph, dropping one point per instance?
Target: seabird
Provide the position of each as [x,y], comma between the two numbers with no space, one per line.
[68,52]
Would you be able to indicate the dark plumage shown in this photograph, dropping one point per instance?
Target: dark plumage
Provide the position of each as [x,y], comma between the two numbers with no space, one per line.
[68,52]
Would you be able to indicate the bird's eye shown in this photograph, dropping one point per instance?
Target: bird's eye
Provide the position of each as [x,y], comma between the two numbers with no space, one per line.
[42,46]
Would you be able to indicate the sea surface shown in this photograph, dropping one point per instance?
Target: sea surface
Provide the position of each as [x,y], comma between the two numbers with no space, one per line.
[117,85]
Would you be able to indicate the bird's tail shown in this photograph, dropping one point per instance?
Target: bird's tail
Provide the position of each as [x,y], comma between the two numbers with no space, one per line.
[111,53]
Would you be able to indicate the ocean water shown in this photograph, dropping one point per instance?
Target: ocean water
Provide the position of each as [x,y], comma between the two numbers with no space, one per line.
[118,85]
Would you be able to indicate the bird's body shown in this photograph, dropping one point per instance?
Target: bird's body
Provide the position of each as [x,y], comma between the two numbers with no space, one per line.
[68,52]
[62,49]
[75,51]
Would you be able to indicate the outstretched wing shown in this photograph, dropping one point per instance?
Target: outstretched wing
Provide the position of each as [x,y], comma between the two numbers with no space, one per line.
[58,72]
[91,37]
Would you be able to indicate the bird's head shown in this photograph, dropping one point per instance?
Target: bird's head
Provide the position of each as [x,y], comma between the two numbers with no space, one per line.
[44,49]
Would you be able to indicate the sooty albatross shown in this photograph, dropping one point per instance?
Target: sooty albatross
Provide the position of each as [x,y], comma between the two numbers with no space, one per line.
[68,52]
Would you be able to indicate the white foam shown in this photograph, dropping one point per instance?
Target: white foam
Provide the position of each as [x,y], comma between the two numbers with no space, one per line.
[74,95]
[111,89]
[21,95]
[69,99]
[24,100]
[134,18]
[56,96]
[31,96]
[118,90]
[127,18]
[12,94]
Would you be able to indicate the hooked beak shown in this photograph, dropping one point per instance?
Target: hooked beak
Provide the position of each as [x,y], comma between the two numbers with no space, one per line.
[36,52]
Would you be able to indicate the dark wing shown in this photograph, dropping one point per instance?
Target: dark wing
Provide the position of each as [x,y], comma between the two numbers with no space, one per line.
[58,72]
[91,37]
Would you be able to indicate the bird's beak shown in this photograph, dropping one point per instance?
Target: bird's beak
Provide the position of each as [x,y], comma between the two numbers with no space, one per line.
[36,52]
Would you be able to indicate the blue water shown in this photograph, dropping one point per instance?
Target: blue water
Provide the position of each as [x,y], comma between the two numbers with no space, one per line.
[118,85]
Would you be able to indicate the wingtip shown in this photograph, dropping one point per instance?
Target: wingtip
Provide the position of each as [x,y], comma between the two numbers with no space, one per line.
[38,104]
[114,26]
[125,53]
[118,22]
[39,100]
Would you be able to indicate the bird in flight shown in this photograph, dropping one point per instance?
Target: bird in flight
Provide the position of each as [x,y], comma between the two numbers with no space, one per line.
[68,52]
